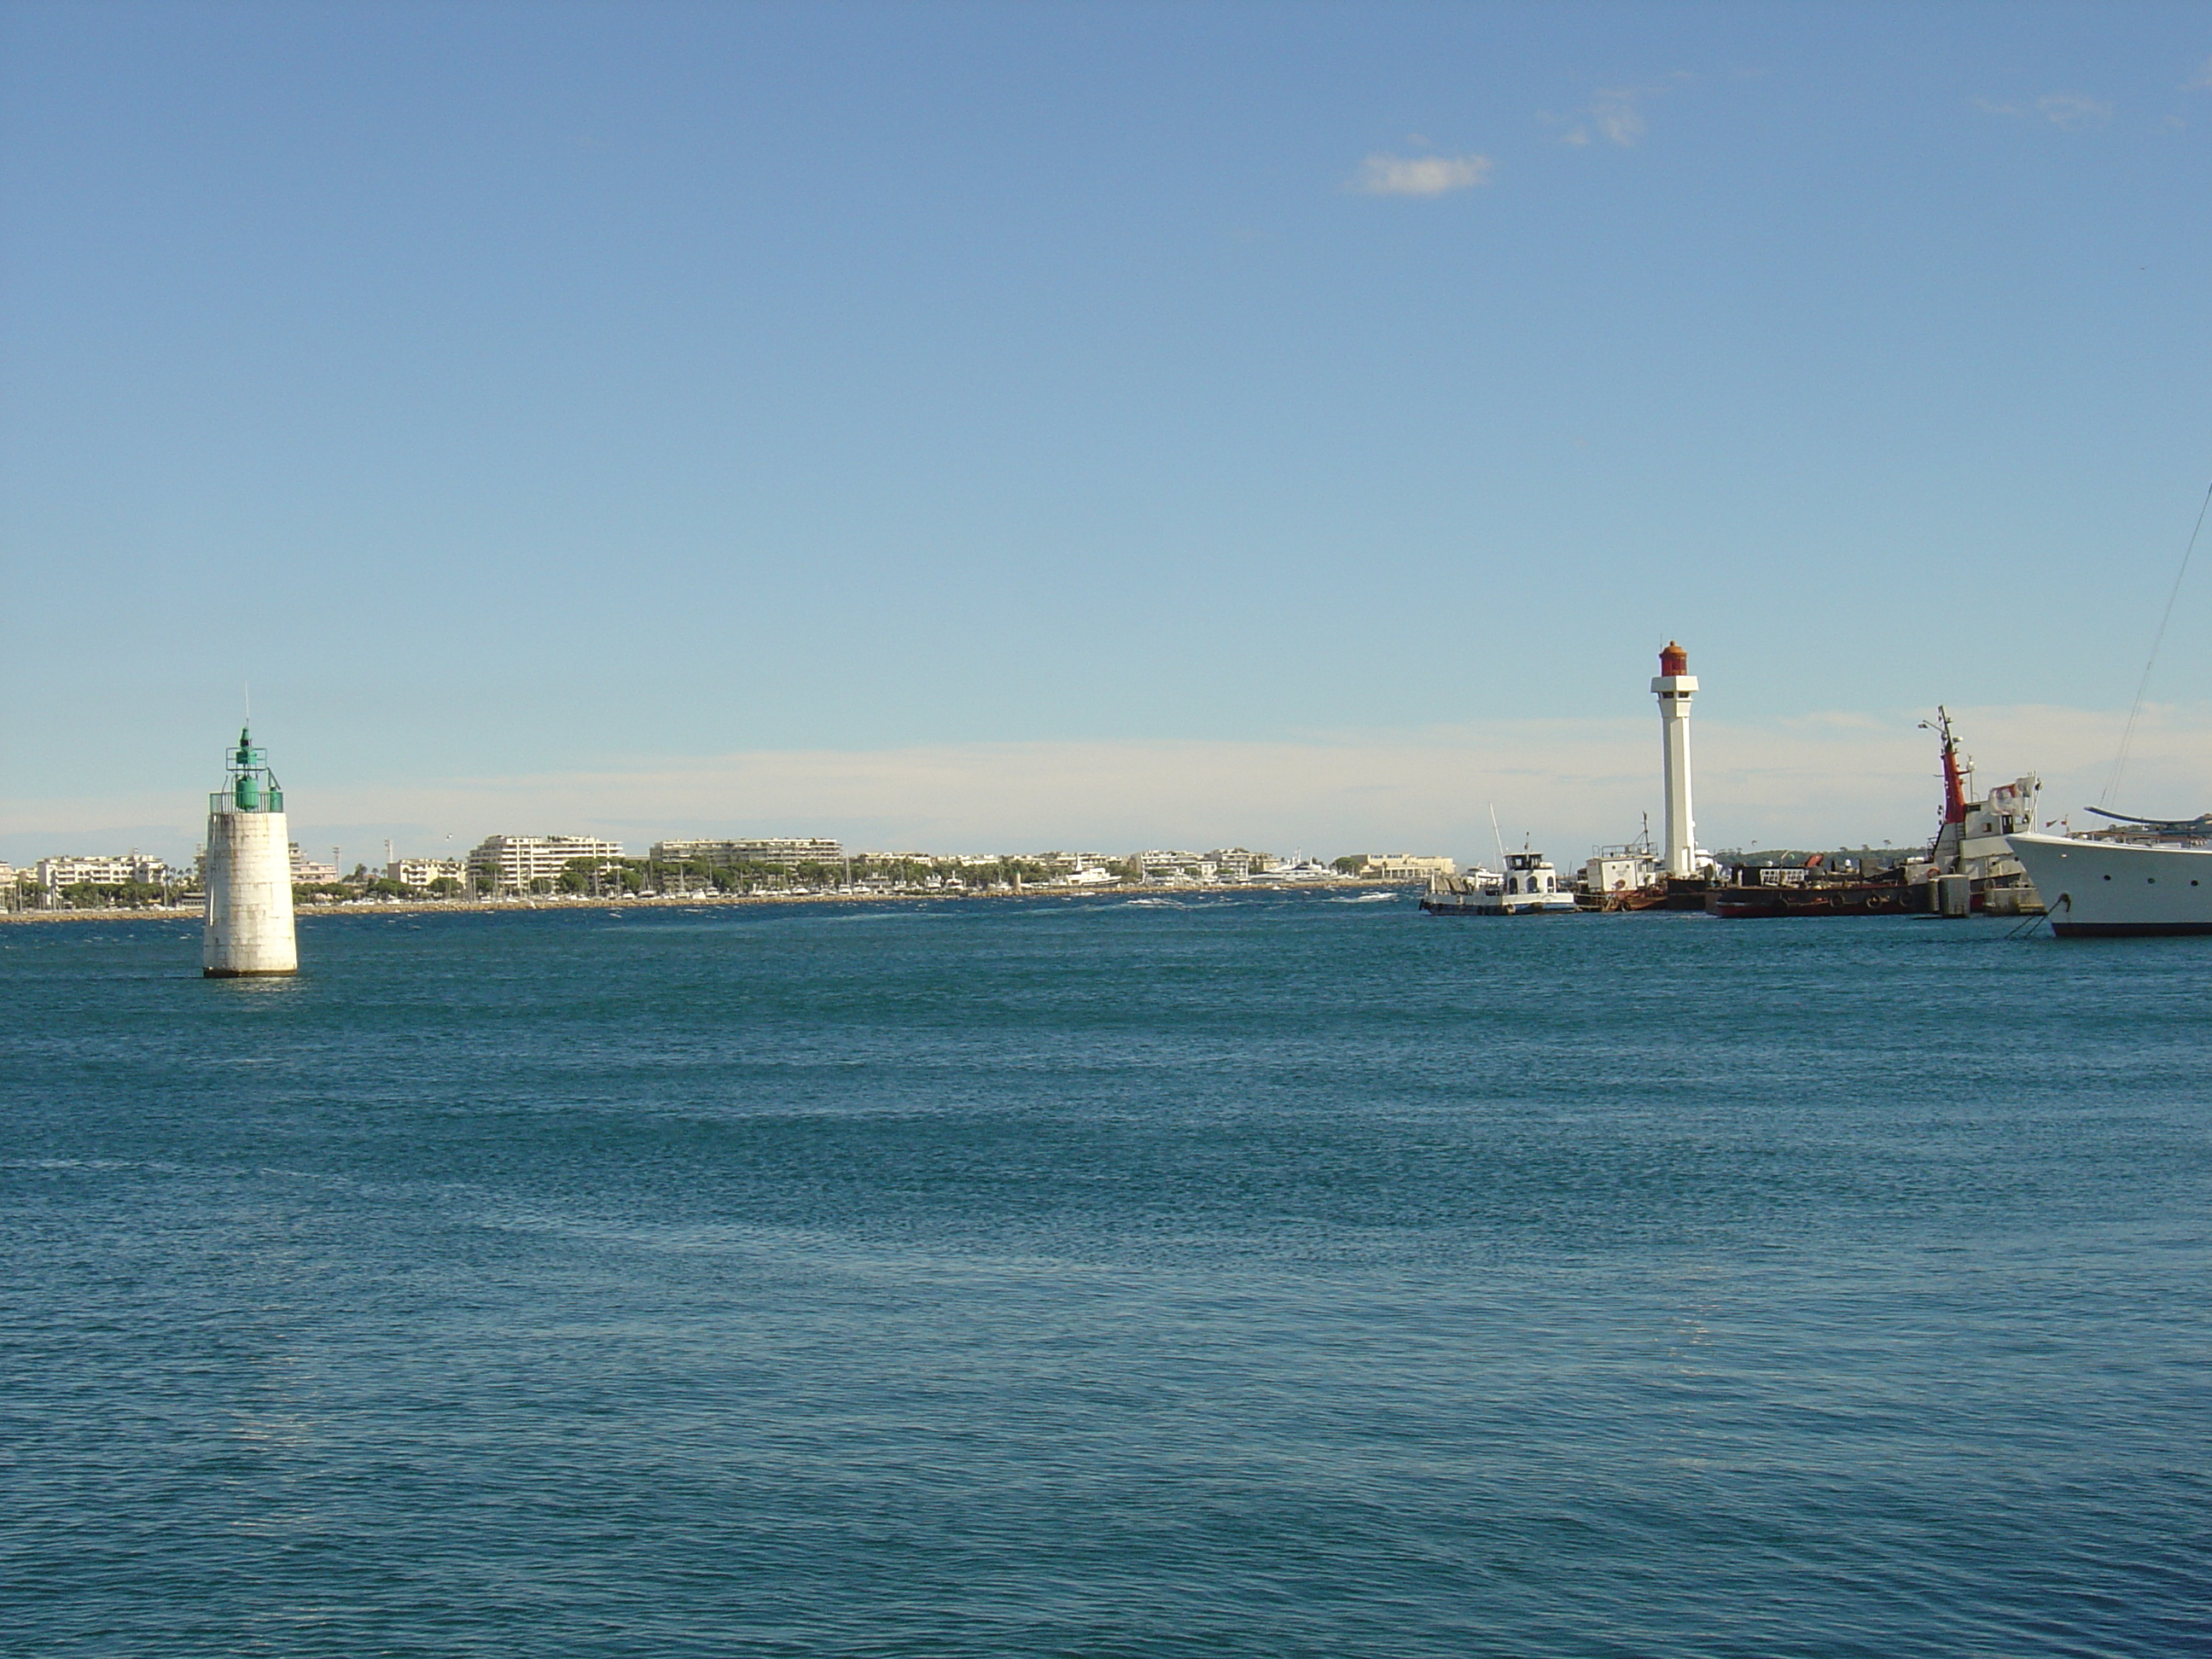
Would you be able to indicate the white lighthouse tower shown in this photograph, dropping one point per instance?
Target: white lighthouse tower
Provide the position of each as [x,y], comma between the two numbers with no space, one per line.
[1674,688]
[249,872]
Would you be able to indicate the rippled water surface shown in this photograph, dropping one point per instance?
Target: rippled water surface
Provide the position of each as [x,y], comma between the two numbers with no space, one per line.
[1278,1277]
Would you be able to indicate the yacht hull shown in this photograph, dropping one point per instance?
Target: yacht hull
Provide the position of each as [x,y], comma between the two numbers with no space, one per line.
[2112,888]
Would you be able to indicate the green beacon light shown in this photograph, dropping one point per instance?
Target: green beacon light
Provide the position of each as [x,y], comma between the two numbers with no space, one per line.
[247,792]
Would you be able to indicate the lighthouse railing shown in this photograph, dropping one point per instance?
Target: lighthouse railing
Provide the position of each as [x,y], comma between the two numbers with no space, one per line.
[225,800]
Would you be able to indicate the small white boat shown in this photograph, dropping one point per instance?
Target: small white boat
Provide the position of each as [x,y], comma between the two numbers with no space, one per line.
[1301,868]
[1529,886]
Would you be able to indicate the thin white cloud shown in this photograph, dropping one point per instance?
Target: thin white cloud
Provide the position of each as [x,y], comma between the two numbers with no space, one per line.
[1421,175]
[2202,81]
[2069,111]
[1617,118]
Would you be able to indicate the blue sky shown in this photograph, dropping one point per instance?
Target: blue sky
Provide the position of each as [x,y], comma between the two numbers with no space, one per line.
[587,413]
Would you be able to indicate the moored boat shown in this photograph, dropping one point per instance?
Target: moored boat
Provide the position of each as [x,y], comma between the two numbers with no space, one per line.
[1529,886]
[1629,877]
[1834,898]
[2093,885]
[1971,852]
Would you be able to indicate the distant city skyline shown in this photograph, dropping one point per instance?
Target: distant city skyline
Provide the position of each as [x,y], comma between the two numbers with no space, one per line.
[985,427]
[1830,781]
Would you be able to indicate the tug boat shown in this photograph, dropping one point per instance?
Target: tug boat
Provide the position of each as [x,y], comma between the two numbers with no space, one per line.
[1529,886]
[1972,856]
[1968,868]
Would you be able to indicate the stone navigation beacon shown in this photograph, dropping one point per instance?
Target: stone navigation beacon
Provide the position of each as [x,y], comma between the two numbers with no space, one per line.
[249,872]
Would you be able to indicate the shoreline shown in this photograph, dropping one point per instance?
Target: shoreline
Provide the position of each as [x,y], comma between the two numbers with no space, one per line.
[695,901]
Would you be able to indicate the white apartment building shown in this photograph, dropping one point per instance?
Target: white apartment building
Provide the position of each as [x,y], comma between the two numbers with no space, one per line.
[1237,863]
[1170,866]
[56,874]
[783,850]
[306,872]
[509,864]
[421,872]
[1405,866]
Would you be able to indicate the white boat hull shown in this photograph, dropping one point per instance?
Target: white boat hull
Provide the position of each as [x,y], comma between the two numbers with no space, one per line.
[2113,887]
[1539,904]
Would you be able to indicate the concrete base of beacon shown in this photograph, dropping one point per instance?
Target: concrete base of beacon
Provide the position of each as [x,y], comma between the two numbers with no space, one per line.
[249,888]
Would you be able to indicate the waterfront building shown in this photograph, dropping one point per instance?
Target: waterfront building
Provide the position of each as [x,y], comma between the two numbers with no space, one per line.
[1240,863]
[249,872]
[1405,867]
[1068,864]
[306,872]
[100,870]
[511,864]
[1169,865]
[783,851]
[1222,864]
[421,872]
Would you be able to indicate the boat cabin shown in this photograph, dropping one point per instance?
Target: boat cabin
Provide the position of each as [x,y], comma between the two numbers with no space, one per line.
[1529,873]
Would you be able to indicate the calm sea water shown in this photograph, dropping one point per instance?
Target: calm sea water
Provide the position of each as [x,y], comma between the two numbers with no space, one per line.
[1280,1276]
